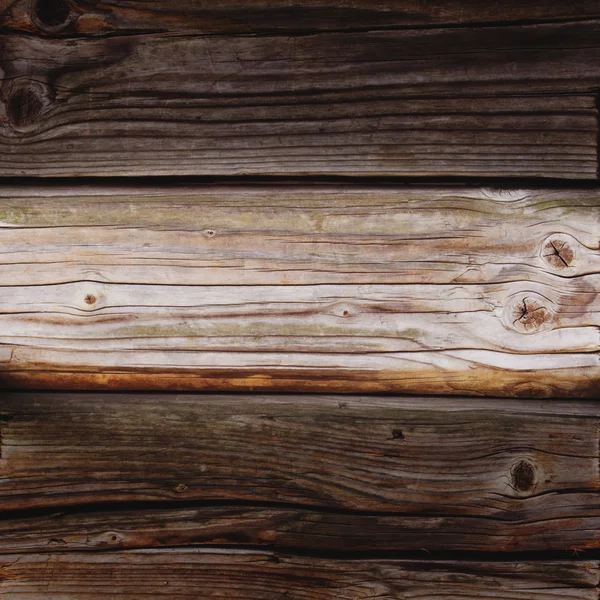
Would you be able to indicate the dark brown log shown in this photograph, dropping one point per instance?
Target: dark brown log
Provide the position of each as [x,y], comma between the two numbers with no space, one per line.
[489,101]
[82,17]
[308,530]
[311,472]
[187,575]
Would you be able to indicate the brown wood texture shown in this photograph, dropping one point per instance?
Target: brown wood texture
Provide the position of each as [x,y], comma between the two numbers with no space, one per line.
[82,17]
[316,473]
[514,101]
[418,290]
[186,575]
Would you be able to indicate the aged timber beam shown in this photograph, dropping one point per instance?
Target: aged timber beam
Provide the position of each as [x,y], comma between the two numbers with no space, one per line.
[318,473]
[250,575]
[514,101]
[426,290]
[64,17]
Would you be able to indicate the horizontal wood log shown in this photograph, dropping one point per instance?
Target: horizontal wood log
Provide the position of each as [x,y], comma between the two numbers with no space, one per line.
[58,17]
[324,473]
[291,529]
[431,290]
[249,575]
[485,101]
[297,235]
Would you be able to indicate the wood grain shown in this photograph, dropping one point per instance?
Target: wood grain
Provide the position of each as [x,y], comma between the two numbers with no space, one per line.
[437,290]
[286,529]
[318,473]
[249,575]
[58,17]
[484,101]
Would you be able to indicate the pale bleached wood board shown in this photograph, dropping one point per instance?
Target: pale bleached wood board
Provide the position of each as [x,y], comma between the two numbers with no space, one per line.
[483,101]
[64,18]
[322,473]
[295,235]
[437,290]
[250,575]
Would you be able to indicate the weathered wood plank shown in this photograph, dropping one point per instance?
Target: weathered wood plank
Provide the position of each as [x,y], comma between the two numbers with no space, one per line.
[447,291]
[309,530]
[296,235]
[312,472]
[489,101]
[59,17]
[258,575]
[251,575]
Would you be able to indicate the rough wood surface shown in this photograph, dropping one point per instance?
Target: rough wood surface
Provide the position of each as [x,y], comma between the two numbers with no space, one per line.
[325,473]
[483,101]
[448,291]
[299,529]
[250,575]
[62,17]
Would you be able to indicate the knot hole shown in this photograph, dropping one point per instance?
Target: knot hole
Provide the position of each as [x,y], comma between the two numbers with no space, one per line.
[52,14]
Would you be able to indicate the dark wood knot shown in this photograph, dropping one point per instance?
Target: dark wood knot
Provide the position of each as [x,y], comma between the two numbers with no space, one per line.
[523,476]
[24,105]
[52,14]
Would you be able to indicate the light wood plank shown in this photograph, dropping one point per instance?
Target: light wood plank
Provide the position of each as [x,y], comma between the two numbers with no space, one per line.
[321,473]
[490,101]
[264,235]
[447,291]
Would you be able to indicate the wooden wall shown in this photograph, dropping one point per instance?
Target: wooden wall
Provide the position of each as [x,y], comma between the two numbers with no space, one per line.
[299,300]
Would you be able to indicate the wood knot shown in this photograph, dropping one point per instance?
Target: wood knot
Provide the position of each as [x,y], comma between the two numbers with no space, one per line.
[111,538]
[52,14]
[90,299]
[523,476]
[344,310]
[558,253]
[24,106]
[528,313]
